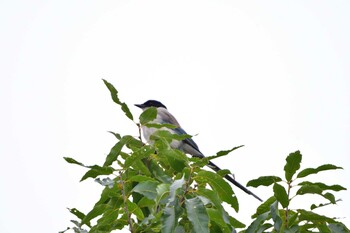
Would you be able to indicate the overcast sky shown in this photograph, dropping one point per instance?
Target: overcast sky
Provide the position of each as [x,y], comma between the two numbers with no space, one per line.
[270,75]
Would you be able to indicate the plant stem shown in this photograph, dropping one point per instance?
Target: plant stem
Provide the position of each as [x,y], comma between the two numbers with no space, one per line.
[125,203]
[287,208]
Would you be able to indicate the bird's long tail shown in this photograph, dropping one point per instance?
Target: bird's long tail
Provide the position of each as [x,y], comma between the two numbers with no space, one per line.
[233,181]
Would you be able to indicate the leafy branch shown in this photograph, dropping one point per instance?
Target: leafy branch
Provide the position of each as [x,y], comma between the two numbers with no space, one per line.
[154,188]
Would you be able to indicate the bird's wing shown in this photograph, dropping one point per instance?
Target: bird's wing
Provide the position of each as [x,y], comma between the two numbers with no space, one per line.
[166,117]
[189,145]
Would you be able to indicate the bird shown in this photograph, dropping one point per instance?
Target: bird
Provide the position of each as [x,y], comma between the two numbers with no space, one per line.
[188,146]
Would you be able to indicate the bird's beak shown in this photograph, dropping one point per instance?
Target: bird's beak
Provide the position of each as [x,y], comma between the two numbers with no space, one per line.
[140,106]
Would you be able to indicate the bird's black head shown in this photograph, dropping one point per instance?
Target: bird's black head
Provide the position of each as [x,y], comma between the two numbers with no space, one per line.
[150,103]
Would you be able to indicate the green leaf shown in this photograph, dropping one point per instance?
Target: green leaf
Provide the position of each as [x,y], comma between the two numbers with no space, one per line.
[323,186]
[117,135]
[330,197]
[162,191]
[78,214]
[147,188]
[145,202]
[263,181]
[96,211]
[265,206]
[116,150]
[309,189]
[140,178]
[276,217]
[174,187]
[135,209]
[255,225]
[73,161]
[97,171]
[216,217]
[313,206]
[322,227]
[197,215]
[310,171]
[222,153]
[215,200]
[168,136]
[235,223]
[281,195]
[292,165]
[108,217]
[292,217]
[176,158]
[316,188]
[105,182]
[313,217]
[219,185]
[159,126]
[114,95]
[170,217]
[338,228]
[148,115]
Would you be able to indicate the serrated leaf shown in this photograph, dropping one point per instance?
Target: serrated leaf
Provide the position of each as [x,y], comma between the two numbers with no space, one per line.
[310,171]
[147,188]
[197,215]
[292,165]
[220,186]
[263,181]
[148,115]
[264,207]
[281,195]
[135,209]
[96,170]
[114,95]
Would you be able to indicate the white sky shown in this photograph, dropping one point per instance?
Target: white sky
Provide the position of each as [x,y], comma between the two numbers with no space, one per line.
[271,75]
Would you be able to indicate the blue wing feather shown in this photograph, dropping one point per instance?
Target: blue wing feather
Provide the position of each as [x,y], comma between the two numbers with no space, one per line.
[189,141]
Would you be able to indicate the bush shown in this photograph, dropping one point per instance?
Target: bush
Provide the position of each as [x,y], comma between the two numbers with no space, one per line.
[154,188]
